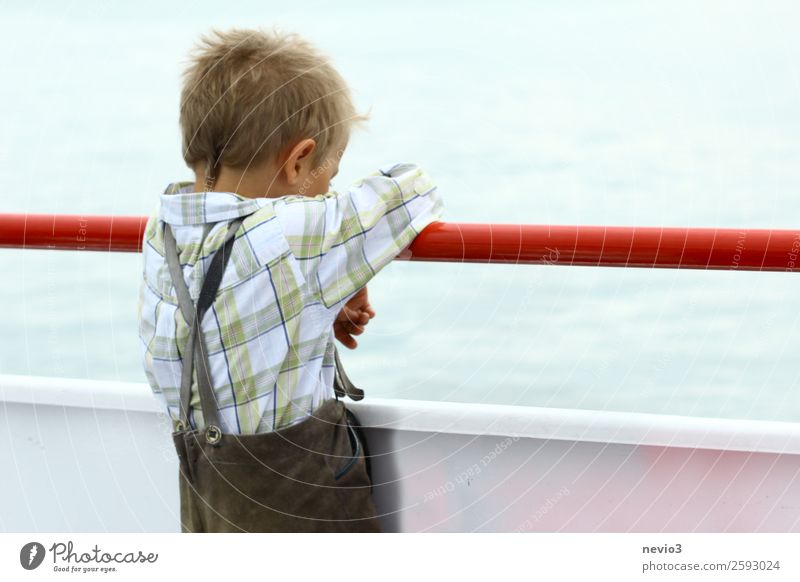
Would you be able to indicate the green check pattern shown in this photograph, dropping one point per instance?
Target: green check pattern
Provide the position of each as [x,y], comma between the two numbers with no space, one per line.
[295,261]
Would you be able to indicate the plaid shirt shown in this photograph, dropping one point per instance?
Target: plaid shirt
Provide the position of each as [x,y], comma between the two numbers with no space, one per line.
[295,261]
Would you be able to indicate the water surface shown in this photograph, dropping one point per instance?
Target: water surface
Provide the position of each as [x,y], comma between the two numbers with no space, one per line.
[619,113]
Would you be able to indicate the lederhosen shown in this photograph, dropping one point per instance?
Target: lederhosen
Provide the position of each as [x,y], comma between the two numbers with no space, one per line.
[310,476]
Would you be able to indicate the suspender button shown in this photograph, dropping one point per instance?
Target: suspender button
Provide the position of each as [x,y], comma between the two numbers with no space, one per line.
[213,434]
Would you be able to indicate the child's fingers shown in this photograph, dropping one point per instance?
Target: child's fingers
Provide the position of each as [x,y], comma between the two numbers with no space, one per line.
[352,328]
[354,308]
[354,316]
[367,314]
[367,310]
[344,337]
[348,327]
[349,343]
[350,322]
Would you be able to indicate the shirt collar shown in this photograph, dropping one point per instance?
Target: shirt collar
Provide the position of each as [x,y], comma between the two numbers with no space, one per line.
[181,205]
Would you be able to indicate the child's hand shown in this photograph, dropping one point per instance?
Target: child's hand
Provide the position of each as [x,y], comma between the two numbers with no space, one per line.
[351,320]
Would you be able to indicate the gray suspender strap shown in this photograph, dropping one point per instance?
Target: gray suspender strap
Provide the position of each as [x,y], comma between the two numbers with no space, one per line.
[196,352]
[341,383]
[187,308]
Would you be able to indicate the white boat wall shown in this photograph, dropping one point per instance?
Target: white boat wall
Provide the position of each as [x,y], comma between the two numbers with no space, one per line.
[86,456]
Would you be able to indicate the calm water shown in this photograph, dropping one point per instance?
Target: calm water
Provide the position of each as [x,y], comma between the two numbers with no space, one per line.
[616,113]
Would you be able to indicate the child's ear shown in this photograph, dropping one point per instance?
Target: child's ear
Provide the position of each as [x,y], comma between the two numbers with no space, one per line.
[299,160]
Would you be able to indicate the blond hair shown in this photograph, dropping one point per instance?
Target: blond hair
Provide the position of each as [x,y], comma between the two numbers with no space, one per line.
[247,94]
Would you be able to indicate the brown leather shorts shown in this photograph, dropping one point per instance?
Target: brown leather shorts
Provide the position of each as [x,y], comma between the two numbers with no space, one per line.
[309,477]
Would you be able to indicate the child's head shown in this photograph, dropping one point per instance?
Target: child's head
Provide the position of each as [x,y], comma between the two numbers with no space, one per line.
[264,106]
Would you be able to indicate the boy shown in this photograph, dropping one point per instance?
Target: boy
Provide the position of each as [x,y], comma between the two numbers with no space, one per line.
[251,271]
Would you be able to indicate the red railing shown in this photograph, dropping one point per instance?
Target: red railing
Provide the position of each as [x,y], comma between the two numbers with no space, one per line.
[599,246]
